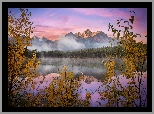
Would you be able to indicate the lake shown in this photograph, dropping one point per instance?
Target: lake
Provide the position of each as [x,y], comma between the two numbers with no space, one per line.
[89,67]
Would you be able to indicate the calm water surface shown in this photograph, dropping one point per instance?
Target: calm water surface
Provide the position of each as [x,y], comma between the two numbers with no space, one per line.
[91,67]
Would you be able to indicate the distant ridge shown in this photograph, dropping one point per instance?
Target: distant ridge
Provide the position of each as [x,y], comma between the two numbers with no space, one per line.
[73,41]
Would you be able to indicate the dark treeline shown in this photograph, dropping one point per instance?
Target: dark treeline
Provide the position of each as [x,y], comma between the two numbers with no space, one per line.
[116,51]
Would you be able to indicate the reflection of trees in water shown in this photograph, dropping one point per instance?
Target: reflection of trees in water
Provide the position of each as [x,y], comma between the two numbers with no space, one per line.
[89,63]
[90,67]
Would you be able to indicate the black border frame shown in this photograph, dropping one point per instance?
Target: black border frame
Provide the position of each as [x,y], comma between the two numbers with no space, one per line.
[6,5]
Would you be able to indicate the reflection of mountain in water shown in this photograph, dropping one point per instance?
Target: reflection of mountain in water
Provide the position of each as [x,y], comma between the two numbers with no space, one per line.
[44,70]
[90,67]
[89,79]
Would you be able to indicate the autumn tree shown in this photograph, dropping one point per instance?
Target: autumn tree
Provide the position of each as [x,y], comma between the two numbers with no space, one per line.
[133,61]
[19,66]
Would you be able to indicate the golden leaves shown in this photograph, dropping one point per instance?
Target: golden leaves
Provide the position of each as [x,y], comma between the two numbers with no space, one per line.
[88,95]
[19,64]
[64,67]
[134,57]
[28,95]
[62,88]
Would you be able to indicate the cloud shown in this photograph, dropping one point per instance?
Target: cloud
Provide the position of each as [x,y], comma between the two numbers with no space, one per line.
[60,25]
[65,19]
[42,47]
[64,44]
[50,32]
[56,22]
[43,26]
[103,12]
[52,14]
[68,43]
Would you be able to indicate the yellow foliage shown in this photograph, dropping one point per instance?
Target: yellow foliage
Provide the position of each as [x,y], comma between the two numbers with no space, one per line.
[19,30]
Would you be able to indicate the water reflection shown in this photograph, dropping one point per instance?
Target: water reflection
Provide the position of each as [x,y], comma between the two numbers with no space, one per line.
[94,88]
[89,67]
[93,74]
[44,70]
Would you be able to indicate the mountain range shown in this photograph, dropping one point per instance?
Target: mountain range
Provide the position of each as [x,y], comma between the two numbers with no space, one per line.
[71,41]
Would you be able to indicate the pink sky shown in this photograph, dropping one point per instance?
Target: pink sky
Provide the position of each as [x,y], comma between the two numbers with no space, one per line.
[54,23]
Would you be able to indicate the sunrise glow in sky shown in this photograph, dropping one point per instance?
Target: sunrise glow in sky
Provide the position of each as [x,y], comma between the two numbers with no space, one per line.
[54,23]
